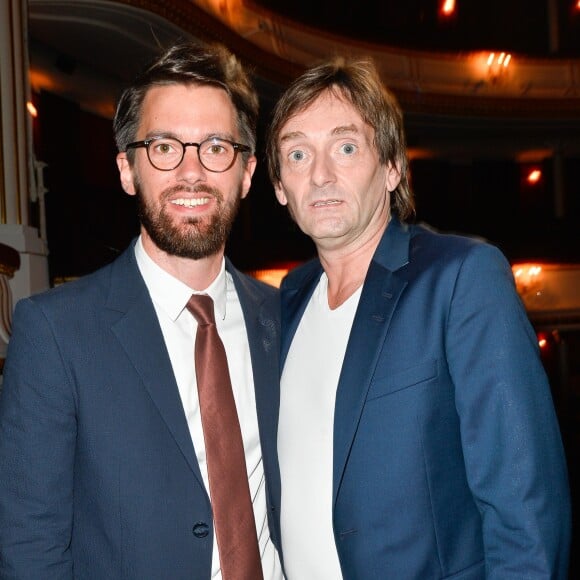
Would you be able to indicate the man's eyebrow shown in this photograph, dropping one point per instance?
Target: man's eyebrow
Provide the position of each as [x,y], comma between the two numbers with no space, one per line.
[345,129]
[290,136]
[340,130]
[161,134]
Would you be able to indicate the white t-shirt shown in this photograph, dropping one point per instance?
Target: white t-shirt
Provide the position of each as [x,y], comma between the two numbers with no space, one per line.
[305,436]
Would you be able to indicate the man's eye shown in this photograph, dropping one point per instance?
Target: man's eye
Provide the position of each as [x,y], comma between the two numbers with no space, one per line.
[296,155]
[164,148]
[214,148]
[348,148]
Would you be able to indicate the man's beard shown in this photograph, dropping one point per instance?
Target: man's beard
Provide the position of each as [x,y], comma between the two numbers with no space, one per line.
[194,238]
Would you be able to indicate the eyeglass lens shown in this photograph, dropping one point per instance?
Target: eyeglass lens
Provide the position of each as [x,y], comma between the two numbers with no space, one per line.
[214,154]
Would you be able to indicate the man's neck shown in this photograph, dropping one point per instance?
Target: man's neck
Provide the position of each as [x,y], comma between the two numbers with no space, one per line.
[197,274]
[346,267]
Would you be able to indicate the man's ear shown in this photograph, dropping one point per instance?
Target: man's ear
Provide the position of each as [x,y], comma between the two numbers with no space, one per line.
[125,174]
[280,195]
[393,176]
[247,175]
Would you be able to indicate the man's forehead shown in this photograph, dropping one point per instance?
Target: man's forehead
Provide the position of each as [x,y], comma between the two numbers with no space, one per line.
[328,114]
[173,106]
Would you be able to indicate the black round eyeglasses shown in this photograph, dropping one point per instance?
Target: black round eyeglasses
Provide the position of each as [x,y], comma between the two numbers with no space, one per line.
[215,154]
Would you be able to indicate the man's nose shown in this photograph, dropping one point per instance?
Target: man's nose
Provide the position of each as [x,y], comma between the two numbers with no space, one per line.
[323,170]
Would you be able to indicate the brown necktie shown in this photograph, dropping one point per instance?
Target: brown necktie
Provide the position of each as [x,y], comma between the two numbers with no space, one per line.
[234,522]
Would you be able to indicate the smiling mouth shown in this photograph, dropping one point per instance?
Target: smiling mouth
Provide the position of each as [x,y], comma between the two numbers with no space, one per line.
[190,202]
[326,203]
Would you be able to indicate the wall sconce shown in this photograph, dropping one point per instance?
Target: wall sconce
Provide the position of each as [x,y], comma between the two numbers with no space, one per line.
[447,8]
[497,65]
[534,176]
[31,109]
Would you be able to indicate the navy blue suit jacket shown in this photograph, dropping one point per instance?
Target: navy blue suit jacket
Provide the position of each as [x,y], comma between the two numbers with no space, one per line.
[99,477]
[447,461]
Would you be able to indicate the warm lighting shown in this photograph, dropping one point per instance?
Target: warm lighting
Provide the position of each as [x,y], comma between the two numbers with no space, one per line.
[272,276]
[275,274]
[32,109]
[499,61]
[528,280]
[448,7]
[548,341]
[524,273]
[548,286]
[497,64]
[577,6]
[534,176]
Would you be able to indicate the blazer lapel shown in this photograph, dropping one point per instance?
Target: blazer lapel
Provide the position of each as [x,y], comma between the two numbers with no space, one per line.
[263,337]
[140,336]
[263,327]
[381,292]
[379,297]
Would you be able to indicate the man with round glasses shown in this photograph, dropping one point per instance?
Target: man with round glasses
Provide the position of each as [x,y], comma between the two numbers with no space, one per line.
[106,461]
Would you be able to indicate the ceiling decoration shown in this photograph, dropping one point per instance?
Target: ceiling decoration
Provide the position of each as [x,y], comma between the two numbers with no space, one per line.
[455,100]
[453,59]
[433,65]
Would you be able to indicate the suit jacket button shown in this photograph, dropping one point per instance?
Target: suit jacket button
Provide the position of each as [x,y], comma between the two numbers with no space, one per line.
[200,530]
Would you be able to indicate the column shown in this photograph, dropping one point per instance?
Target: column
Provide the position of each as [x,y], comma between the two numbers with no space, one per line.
[17,164]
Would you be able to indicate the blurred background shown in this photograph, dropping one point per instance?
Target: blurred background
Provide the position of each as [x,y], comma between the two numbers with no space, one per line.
[490,92]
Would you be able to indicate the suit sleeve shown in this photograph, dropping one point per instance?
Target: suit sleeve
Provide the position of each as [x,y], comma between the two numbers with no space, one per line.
[37,442]
[513,452]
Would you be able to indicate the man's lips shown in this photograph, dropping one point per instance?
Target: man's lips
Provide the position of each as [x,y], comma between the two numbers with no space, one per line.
[190,201]
[326,202]
[189,197]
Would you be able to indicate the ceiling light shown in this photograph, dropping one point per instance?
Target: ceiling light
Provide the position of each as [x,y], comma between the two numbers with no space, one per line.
[448,7]
[534,176]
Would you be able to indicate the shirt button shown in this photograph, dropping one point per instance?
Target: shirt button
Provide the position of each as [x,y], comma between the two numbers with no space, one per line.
[200,530]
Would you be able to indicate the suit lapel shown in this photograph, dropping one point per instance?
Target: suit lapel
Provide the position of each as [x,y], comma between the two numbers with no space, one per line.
[263,328]
[382,289]
[263,337]
[140,336]
[377,303]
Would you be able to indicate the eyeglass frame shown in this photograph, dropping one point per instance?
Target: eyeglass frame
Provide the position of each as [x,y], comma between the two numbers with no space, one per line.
[238,148]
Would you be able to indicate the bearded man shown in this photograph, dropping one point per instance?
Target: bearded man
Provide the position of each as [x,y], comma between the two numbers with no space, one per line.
[108,463]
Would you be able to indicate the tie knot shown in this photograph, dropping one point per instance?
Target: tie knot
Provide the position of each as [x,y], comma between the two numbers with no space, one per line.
[201,306]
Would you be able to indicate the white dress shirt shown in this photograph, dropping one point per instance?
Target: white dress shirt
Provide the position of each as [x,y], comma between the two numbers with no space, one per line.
[170,297]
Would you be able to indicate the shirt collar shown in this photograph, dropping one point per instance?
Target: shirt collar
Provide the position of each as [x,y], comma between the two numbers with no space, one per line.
[171,294]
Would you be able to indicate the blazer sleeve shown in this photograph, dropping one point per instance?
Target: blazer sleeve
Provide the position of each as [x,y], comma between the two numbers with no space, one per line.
[513,451]
[37,442]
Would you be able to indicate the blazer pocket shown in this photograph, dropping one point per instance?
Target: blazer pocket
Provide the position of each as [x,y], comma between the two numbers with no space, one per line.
[387,383]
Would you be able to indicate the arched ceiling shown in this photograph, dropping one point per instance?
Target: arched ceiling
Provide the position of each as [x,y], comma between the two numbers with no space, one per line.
[537,28]
[87,50]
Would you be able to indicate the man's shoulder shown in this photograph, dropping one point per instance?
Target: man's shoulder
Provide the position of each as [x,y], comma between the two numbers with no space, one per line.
[448,245]
[77,294]
[424,231]
[448,254]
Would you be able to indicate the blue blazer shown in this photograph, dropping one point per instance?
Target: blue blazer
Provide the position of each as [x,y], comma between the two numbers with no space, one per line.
[99,478]
[448,461]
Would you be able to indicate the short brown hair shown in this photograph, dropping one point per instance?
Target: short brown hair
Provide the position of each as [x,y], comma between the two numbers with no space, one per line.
[190,63]
[358,81]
